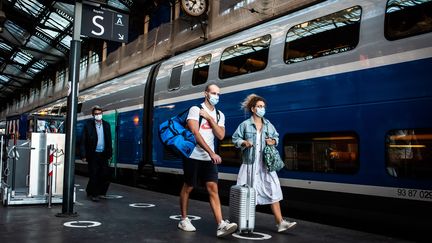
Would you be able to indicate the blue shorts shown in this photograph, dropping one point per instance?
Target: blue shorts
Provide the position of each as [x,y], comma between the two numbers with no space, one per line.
[198,172]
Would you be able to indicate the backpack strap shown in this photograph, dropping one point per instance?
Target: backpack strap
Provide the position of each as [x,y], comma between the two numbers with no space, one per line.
[200,117]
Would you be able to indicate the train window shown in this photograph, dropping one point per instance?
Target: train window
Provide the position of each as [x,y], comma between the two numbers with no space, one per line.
[174,83]
[201,69]
[247,57]
[327,35]
[322,152]
[406,18]
[409,153]
[231,156]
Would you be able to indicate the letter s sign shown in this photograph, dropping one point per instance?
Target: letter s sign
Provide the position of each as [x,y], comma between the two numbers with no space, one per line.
[102,29]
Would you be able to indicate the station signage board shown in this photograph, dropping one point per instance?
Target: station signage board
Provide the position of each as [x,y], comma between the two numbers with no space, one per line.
[104,24]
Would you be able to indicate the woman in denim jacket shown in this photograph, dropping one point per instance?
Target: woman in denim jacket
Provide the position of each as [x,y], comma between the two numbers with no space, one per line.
[251,136]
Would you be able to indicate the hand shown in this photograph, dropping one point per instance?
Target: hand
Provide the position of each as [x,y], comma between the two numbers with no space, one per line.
[247,144]
[205,115]
[216,159]
[270,141]
[83,159]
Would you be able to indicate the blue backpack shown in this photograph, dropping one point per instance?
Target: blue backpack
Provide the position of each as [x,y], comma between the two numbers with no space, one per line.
[175,136]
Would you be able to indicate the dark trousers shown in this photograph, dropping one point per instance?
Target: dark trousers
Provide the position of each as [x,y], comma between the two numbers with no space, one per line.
[99,175]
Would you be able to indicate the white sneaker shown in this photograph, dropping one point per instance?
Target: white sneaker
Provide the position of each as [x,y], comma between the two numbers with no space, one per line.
[186,225]
[226,228]
[284,225]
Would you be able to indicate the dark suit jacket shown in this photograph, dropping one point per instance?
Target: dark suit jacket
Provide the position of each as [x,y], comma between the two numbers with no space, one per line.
[89,140]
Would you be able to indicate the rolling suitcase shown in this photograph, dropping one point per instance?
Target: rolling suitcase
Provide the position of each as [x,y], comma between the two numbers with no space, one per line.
[242,206]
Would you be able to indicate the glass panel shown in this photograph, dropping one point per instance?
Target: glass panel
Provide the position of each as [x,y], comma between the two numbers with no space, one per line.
[4,78]
[57,21]
[84,62]
[201,69]
[66,41]
[94,58]
[409,153]
[37,43]
[340,31]
[17,31]
[32,7]
[246,57]
[118,5]
[22,58]
[406,18]
[5,46]
[66,8]
[175,78]
[322,152]
[33,71]
[41,64]
[52,34]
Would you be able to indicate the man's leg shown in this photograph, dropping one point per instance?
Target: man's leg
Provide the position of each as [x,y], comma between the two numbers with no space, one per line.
[215,204]
[184,199]
[100,174]
[92,185]
[224,226]
[185,223]
[106,178]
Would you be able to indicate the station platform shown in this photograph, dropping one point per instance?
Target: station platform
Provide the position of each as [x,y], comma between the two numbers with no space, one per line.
[136,215]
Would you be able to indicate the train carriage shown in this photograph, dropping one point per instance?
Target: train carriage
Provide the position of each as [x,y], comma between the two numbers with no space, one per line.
[348,89]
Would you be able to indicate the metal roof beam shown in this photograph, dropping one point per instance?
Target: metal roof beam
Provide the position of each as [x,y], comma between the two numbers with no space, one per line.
[14,76]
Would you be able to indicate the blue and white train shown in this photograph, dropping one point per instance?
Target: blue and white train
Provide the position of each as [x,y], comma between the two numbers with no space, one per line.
[348,88]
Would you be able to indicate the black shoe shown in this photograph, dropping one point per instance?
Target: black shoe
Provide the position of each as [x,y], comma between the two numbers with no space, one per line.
[95,199]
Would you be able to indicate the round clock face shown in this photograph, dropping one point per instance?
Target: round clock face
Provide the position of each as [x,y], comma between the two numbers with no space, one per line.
[194,7]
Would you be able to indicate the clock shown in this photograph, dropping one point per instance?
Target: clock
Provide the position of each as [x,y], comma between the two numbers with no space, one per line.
[194,7]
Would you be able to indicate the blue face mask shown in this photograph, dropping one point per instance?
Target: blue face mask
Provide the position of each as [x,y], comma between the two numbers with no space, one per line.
[260,111]
[213,99]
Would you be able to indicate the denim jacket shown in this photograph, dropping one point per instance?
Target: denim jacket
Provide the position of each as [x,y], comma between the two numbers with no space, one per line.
[247,131]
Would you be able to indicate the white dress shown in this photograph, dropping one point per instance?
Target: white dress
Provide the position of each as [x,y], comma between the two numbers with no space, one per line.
[266,184]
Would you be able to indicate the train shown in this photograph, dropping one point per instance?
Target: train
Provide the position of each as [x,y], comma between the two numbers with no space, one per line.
[348,89]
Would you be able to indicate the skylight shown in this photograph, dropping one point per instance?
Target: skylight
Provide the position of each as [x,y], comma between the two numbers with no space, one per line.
[56,21]
[32,7]
[22,58]
[51,33]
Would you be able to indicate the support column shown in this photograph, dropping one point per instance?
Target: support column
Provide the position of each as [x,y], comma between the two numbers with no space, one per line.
[71,118]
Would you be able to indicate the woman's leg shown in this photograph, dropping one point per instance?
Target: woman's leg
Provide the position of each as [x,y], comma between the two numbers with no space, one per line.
[275,207]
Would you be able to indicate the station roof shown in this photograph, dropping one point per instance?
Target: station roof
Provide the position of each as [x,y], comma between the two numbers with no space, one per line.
[35,37]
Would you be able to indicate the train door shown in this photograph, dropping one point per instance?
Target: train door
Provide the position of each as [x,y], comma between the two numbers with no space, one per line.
[130,131]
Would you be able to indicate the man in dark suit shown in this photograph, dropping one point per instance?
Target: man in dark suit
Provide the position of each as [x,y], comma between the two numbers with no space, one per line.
[96,149]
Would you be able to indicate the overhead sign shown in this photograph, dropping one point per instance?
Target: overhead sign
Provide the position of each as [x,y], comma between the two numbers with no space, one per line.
[104,24]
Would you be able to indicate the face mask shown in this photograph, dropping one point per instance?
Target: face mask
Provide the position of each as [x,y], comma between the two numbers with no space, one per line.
[260,111]
[214,99]
[98,117]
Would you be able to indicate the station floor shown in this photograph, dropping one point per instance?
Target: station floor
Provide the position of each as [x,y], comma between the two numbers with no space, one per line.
[138,215]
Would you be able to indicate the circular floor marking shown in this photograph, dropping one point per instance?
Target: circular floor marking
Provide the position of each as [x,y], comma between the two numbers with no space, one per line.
[252,236]
[142,205]
[191,217]
[111,197]
[82,224]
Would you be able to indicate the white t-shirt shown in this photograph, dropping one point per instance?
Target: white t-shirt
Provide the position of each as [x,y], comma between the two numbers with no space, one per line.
[205,130]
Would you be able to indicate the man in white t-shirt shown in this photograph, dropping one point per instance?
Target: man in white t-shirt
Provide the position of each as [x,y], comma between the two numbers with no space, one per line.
[201,166]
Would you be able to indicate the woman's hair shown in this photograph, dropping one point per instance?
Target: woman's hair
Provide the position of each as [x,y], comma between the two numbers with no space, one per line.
[250,101]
